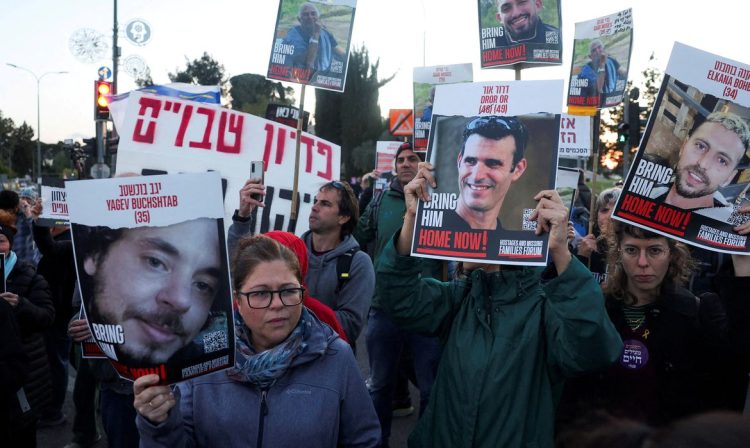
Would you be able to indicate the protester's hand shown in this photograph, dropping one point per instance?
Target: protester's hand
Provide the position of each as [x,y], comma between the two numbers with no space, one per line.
[151,400]
[418,187]
[587,245]
[78,330]
[36,210]
[552,217]
[11,298]
[743,229]
[571,232]
[25,207]
[247,201]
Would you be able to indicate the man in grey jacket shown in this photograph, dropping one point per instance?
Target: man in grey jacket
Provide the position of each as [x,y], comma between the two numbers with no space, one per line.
[329,242]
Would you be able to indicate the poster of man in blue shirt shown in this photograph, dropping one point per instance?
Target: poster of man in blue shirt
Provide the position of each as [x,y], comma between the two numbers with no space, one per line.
[311,43]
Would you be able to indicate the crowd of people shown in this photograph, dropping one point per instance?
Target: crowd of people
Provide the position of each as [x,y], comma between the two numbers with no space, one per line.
[610,338]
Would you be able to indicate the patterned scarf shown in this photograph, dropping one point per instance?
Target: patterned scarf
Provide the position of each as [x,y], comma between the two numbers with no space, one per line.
[263,369]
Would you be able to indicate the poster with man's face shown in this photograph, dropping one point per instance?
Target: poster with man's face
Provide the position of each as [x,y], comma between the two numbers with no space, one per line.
[493,151]
[153,273]
[520,33]
[690,178]
[426,79]
[601,58]
[311,42]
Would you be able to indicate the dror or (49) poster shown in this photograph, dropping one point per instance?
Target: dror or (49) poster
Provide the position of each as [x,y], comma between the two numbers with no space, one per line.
[425,81]
[153,273]
[601,58]
[690,177]
[311,42]
[520,32]
[494,147]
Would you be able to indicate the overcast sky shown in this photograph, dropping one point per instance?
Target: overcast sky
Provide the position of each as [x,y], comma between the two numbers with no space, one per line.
[35,35]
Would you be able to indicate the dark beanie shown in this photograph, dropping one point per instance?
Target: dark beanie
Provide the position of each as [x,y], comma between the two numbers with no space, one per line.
[407,145]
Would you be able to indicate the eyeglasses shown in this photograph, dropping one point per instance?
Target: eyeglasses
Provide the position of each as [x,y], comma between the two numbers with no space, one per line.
[263,299]
[497,127]
[653,252]
[509,123]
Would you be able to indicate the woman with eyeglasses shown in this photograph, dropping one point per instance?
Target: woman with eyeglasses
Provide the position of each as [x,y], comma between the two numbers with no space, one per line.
[683,354]
[295,382]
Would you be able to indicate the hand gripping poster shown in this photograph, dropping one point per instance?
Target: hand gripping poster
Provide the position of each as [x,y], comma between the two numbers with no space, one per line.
[54,207]
[425,81]
[601,58]
[493,147]
[311,42]
[153,273]
[519,32]
[690,177]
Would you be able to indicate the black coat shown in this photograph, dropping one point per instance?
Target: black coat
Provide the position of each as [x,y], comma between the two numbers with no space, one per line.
[13,366]
[57,266]
[687,345]
[35,313]
[698,353]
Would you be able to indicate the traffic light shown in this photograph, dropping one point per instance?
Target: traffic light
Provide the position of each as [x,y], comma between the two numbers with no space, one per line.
[623,132]
[102,92]
[636,124]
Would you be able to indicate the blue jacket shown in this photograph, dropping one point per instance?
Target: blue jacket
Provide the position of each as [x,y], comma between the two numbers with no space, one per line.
[320,402]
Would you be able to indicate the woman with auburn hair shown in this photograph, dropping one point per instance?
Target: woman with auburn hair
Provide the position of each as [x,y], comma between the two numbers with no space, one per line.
[294,383]
[682,353]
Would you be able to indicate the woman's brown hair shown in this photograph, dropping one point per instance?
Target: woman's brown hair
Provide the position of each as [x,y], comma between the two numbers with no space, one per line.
[681,264]
[254,250]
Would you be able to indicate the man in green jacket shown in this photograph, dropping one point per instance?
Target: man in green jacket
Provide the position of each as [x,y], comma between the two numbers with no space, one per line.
[385,340]
[511,334]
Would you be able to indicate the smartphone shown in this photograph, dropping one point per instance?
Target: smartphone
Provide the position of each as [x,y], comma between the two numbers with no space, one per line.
[257,172]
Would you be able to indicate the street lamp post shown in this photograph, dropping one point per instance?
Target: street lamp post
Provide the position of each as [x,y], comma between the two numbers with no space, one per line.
[38,125]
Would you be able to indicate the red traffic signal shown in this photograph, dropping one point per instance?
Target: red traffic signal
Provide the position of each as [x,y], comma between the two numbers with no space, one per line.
[102,93]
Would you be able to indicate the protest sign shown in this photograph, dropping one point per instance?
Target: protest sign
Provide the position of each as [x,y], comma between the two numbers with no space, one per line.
[153,272]
[493,146]
[601,58]
[311,42]
[575,137]
[89,347]
[168,135]
[690,175]
[385,152]
[425,80]
[566,184]
[518,33]
[55,207]
[288,115]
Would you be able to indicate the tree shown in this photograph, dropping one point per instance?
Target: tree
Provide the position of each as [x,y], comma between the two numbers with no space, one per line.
[205,71]
[352,119]
[252,93]
[22,149]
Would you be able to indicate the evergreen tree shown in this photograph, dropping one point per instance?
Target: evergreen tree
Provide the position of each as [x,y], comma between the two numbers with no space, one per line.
[352,119]
[252,93]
